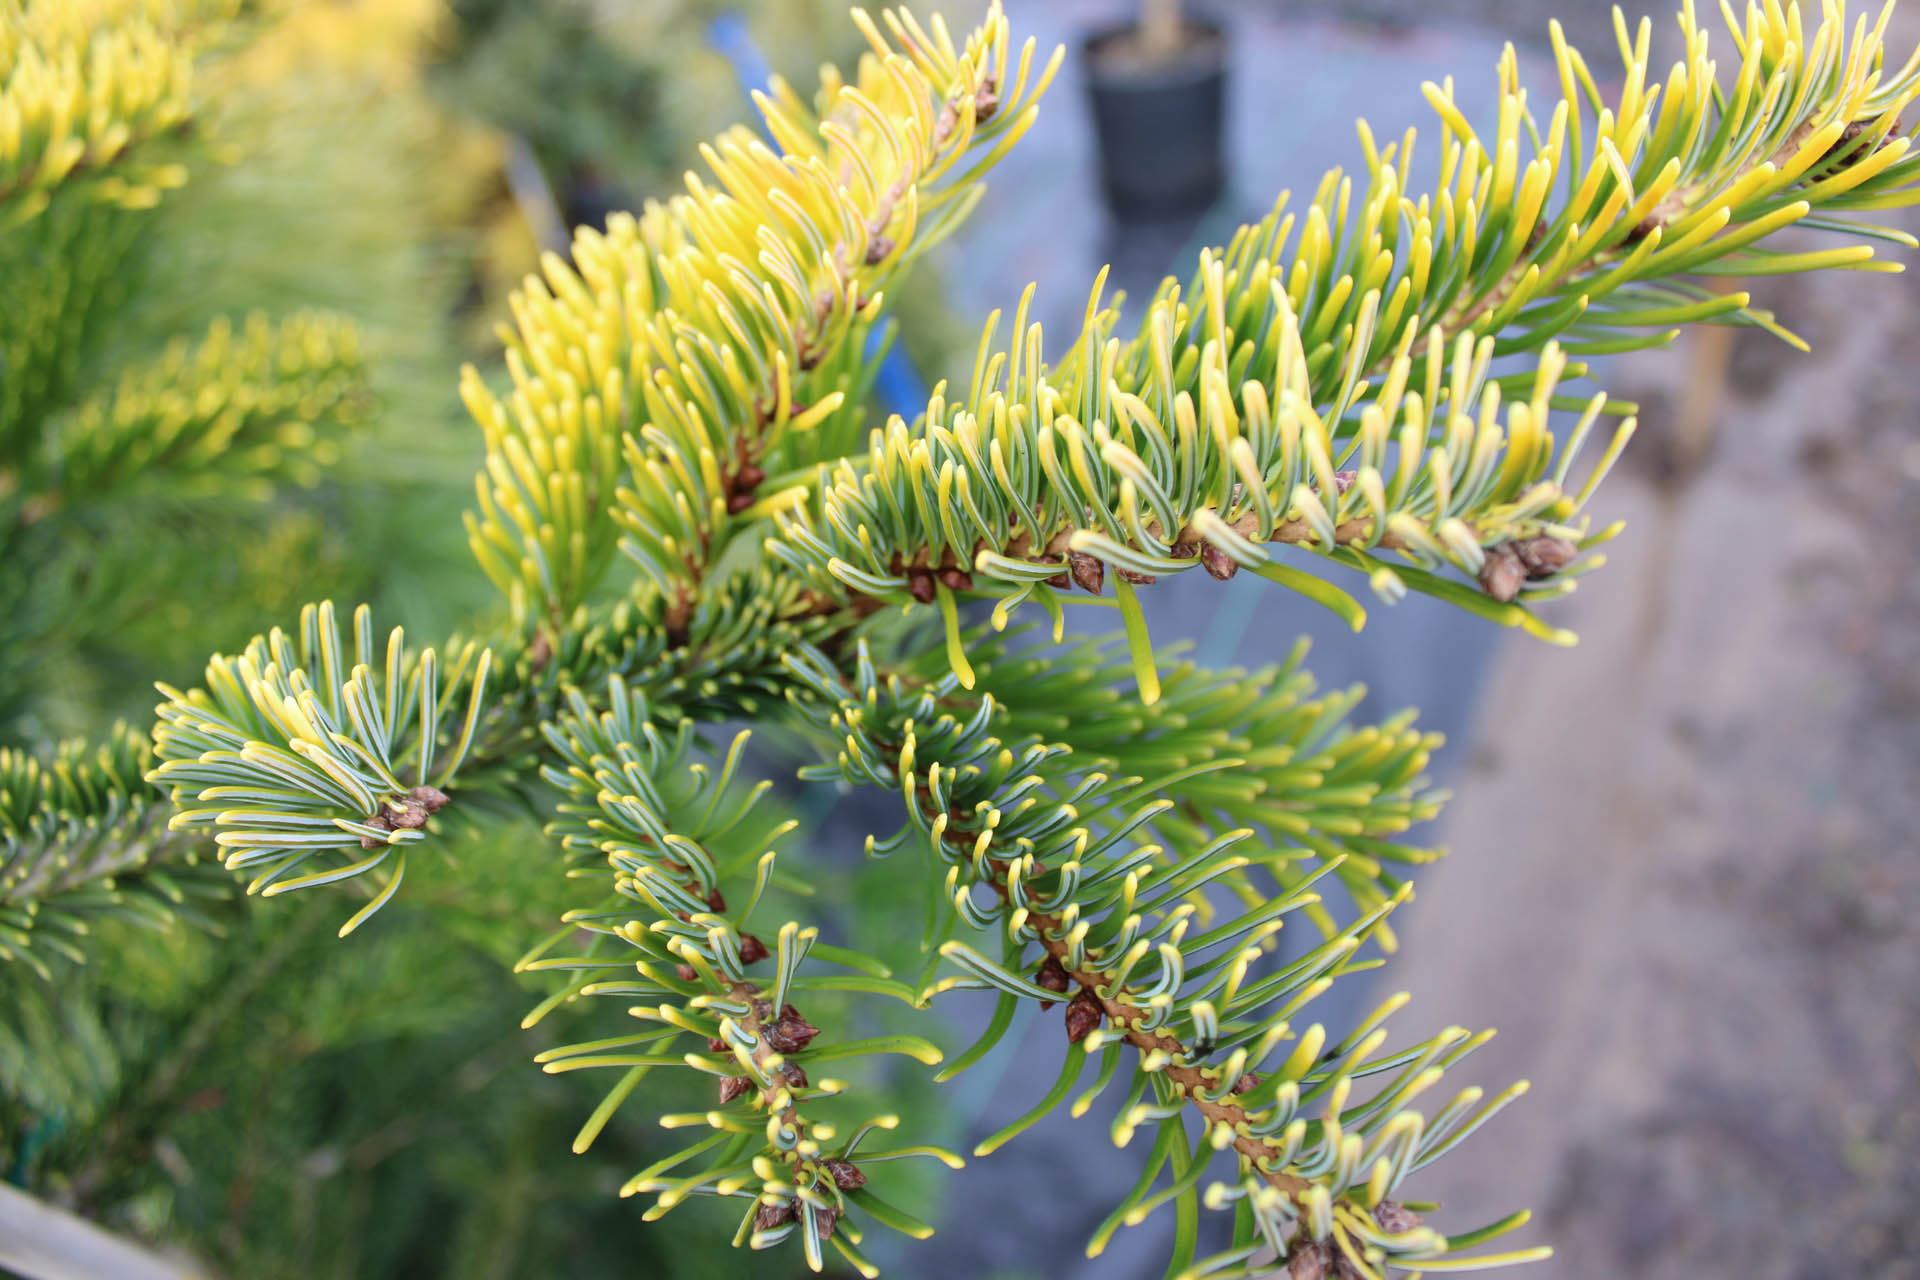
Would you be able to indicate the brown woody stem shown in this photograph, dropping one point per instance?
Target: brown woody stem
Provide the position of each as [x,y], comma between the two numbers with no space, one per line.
[752,1023]
[1291,532]
[1190,1081]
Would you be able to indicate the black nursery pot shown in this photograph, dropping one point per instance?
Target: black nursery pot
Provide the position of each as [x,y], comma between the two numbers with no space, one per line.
[1159,122]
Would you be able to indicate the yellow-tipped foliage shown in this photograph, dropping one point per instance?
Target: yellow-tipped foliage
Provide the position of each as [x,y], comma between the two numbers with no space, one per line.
[248,408]
[83,83]
[687,354]
[1327,381]
[1384,381]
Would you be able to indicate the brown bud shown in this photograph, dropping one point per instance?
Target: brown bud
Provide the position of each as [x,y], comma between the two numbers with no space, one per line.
[825,1220]
[1502,575]
[748,478]
[1343,480]
[1053,977]
[716,900]
[986,99]
[1246,1083]
[956,579]
[718,1045]
[738,502]
[1217,562]
[433,798]
[378,822]
[1088,572]
[752,950]
[1184,550]
[1395,1218]
[1543,556]
[408,815]
[1060,582]
[846,1175]
[790,1033]
[771,1216]
[1310,1261]
[686,973]
[920,585]
[877,250]
[1083,1015]
[732,1087]
[1848,136]
[1644,228]
[793,1075]
[763,1009]
[540,651]
[1536,236]
[1137,579]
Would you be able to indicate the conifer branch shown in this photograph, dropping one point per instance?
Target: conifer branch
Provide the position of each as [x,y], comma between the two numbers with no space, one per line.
[1111,925]
[1241,750]
[670,832]
[1339,397]
[687,354]
[290,753]
[234,412]
[82,836]
[1383,383]
[84,87]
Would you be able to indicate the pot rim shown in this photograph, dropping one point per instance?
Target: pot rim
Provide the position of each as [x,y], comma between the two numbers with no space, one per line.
[1189,69]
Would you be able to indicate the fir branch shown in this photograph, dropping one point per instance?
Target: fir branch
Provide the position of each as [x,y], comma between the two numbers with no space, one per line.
[66,272]
[84,87]
[1340,398]
[1241,750]
[720,659]
[1327,387]
[82,836]
[1000,496]
[690,352]
[671,831]
[232,413]
[1111,926]
[289,754]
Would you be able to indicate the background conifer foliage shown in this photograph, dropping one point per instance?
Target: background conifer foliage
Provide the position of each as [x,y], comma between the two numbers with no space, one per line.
[712,560]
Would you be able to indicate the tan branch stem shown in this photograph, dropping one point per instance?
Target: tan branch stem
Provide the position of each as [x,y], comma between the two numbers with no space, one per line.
[1190,1081]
